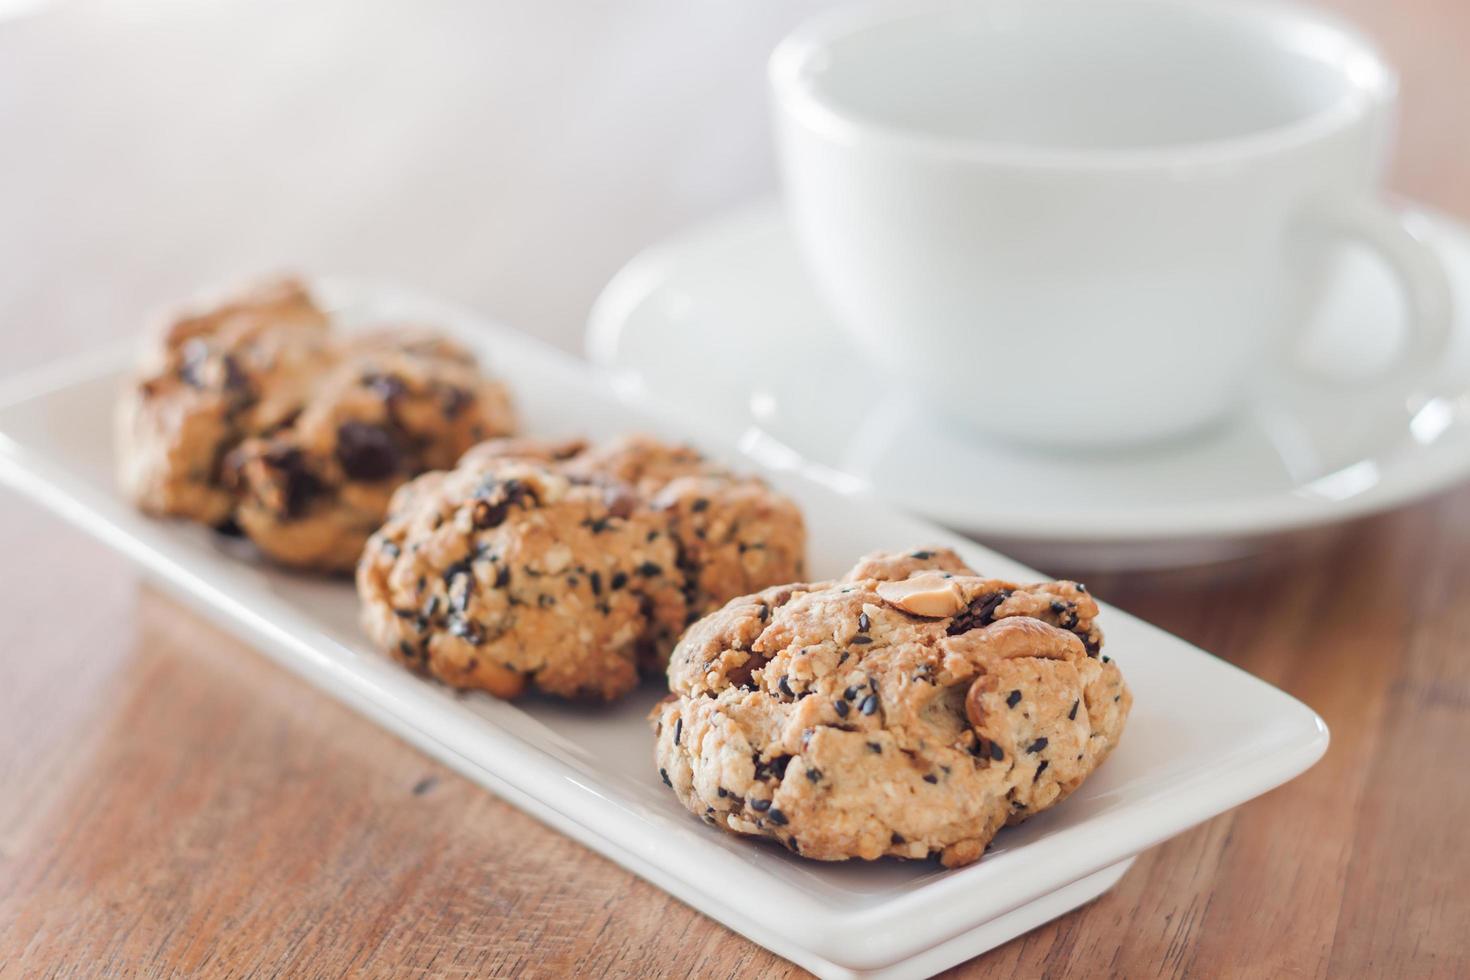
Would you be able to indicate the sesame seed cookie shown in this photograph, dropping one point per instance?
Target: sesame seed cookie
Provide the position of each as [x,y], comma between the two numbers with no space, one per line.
[553,566]
[911,709]
[253,416]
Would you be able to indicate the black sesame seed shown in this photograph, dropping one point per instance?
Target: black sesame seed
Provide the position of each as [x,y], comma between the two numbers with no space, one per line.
[1013,699]
[777,817]
[864,623]
[996,752]
[860,640]
[595,578]
[897,839]
[760,806]
[930,778]
[922,555]
[785,687]
[699,505]
[1037,745]
[1040,769]
[1081,587]
[619,580]
[722,791]
[1106,659]
[814,774]
[869,705]
[850,694]
[648,569]
[980,612]
[1072,715]
[875,748]
[840,707]
[678,729]
[664,775]
[502,577]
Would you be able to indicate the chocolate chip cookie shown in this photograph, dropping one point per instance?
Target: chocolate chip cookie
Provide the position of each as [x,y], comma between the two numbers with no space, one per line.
[911,709]
[567,569]
[252,415]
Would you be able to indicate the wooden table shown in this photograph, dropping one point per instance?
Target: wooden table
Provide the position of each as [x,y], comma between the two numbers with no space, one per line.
[171,802]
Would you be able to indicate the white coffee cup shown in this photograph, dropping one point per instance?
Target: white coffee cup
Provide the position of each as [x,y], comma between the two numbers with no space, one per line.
[1089,223]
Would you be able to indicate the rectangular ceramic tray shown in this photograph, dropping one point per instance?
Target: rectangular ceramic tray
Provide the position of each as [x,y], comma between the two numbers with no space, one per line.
[1203,737]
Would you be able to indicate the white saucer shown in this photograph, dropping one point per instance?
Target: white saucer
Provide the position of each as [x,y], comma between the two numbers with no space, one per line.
[732,296]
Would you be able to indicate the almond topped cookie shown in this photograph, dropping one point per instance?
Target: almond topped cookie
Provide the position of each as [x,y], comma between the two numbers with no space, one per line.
[253,415]
[911,709]
[564,568]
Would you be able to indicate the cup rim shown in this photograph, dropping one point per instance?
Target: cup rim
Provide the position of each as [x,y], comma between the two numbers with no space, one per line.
[1372,84]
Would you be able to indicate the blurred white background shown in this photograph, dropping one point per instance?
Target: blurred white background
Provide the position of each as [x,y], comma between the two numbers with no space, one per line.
[509,155]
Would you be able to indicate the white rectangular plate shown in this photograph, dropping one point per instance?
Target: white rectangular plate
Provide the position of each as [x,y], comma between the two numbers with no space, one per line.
[1203,737]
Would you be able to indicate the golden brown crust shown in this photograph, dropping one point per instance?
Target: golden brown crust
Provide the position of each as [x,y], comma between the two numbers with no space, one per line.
[252,414]
[576,577]
[846,725]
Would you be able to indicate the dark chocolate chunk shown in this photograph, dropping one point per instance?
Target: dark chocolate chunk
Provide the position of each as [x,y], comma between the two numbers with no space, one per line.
[366,452]
[301,485]
[467,630]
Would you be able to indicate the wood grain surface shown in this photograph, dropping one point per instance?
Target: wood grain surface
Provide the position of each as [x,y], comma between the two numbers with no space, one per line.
[171,803]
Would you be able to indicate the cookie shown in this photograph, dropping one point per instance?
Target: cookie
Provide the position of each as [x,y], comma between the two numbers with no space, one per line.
[254,416]
[546,565]
[911,709]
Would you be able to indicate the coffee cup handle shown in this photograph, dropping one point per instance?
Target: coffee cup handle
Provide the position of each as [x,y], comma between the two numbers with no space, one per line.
[1422,280]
